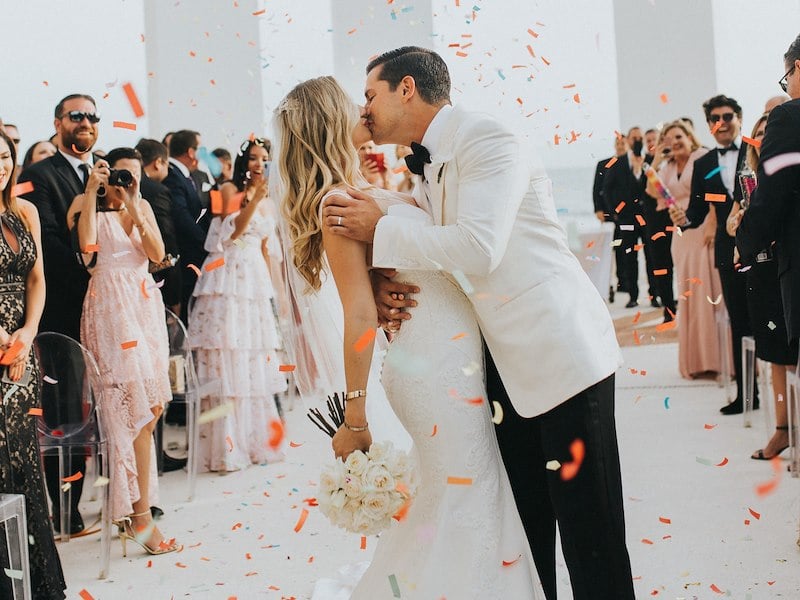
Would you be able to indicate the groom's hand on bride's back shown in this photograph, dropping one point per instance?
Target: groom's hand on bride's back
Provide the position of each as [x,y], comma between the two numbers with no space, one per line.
[354,217]
[392,298]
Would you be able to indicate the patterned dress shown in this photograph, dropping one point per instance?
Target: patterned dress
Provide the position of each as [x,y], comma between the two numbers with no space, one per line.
[20,470]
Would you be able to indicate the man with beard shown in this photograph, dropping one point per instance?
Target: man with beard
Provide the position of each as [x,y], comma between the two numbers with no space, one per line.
[56,181]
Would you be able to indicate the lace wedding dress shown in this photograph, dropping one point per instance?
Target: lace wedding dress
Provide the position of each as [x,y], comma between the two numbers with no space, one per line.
[463,537]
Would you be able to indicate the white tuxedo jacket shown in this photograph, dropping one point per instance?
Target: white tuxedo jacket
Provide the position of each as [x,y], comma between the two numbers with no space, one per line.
[548,329]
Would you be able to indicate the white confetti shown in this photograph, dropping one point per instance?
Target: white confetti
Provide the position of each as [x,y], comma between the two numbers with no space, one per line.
[100,481]
[66,487]
[215,413]
[48,379]
[202,212]
[616,243]
[771,326]
[470,369]
[498,413]
[13,573]
[553,465]
[714,302]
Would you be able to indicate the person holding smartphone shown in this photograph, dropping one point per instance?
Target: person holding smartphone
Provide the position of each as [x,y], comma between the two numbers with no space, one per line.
[373,166]
[232,327]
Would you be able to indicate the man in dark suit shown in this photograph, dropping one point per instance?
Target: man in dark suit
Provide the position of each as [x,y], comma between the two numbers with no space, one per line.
[56,181]
[774,211]
[621,148]
[191,221]
[714,183]
[622,190]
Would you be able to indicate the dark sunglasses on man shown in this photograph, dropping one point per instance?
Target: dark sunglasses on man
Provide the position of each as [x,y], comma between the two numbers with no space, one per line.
[727,117]
[783,82]
[77,116]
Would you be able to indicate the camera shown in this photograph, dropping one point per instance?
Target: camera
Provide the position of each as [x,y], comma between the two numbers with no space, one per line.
[120,177]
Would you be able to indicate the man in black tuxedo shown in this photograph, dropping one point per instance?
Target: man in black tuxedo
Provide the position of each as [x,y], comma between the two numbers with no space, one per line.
[620,148]
[622,190]
[56,181]
[715,178]
[774,211]
[191,221]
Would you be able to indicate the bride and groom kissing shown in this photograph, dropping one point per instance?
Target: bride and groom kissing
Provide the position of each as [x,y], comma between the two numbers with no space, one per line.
[472,270]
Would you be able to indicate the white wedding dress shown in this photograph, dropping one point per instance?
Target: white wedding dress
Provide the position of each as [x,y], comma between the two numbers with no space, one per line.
[462,537]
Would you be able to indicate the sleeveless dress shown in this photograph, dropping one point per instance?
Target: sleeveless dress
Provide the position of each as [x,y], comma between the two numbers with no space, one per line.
[462,537]
[233,334]
[124,327]
[20,463]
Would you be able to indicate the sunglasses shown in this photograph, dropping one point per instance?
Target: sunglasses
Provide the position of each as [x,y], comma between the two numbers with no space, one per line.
[77,116]
[783,82]
[255,142]
[727,117]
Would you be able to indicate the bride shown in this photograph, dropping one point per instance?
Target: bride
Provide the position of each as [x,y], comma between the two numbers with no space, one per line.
[462,537]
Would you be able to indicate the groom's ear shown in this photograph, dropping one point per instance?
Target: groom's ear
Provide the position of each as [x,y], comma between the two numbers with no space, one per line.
[408,87]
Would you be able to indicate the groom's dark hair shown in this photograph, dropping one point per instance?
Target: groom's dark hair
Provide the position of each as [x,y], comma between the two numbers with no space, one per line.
[425,66]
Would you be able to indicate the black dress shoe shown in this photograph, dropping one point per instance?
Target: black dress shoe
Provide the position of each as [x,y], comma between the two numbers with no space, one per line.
[173,464]
[737,407]
[655,303]
[76,522]
[611,295]
[631,304]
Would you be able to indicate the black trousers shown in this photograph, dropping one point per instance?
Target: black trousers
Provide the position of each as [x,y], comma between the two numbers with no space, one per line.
[734,292]
[661,256]
[588,508]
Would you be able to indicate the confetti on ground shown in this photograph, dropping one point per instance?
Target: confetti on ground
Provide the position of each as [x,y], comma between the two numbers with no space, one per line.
[508,563]
[766,488]
[363,542]
[704,461]
[666,326]
[302,520]
[296,444]
[723,462]
[26,187]
[665,520]
[364,341]
[570,470]
[716,590]
[85,595]
[664,98]
[128,345]
[459,480]
[394,586]
[133,100]
[286,368]
[646,541]
[707,426]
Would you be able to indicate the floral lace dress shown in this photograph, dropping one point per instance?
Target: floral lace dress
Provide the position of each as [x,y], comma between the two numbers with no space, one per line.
[124,327]
[20,470]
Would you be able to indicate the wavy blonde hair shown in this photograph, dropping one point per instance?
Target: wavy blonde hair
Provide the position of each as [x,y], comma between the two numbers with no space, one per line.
[315,123]
[686,128]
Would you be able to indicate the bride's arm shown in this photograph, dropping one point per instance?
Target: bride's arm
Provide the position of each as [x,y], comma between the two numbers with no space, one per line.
[348,263]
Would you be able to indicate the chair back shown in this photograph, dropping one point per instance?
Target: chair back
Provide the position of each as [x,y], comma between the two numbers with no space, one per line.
[182,371]
[70,385]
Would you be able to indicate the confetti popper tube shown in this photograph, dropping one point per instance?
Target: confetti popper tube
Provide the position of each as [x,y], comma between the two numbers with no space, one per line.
[653,178]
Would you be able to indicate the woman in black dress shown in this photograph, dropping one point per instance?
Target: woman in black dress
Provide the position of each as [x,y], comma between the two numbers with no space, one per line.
[21,302]
[766,315]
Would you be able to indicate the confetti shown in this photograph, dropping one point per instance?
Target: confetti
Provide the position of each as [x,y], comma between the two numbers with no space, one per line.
[714,302]
[215,413]
[101,481]
[664,98]
[200,216]
[13,573]
[712,172]
[85,595]
[636,317]
[435,429]
[89,248]
[666,402]
[658,272]
[497,418]
[129,345]
[301,521]
[363,542]
[8,357]
[35,412]
[216,202]
[611,162]
[508,563]
[716,197]
[771,326]
[619,207]
[275,434]
[295,444]
[229,441]
[74,477]
[195,269]
[286,368]
[459,480]
[395,587]
[766,488]
[214,264]
[751,141]
[124,125]
[723,463]
[666,326]
[657,235]
[259,12]
[133,100]
[144,289]
[665,520]
[708,426]
[716,127]
[646,541]
[755,514]
[365,340]
[716,590]
[570,470]
[26,187]
[552,465]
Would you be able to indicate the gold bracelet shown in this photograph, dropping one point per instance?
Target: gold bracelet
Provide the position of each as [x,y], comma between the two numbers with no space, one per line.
[355,429]
[355,394]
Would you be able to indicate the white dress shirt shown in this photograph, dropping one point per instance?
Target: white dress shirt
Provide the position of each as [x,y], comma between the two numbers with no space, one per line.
[727,165]
[77,162]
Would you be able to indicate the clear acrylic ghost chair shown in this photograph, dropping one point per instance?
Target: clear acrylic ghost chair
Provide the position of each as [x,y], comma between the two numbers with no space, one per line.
[748,378]
[187,389]
[71,420]
[793,411]
[14,550]
[724,341]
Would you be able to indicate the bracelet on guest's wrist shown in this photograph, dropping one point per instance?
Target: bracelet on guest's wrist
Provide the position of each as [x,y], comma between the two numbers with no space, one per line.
[354,429]
[355,394]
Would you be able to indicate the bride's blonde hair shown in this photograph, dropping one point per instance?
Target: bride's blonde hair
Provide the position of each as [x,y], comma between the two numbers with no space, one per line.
[315,124]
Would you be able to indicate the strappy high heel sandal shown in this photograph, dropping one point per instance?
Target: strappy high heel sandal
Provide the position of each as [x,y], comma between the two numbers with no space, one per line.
[759,454]
[127,532]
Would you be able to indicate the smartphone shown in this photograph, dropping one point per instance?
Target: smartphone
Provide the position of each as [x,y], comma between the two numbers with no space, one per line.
[22,381]
[267,165]
[379,160]
[638,146]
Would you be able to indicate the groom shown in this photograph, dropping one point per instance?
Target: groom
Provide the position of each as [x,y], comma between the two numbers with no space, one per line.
[546,329]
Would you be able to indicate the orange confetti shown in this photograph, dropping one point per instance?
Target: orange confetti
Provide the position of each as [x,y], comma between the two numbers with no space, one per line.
[149,564]
[570,470]
[363,542]
[26,187]
[286,368]
[664,98]
[295,444]
[229,441]
[665,520]
[638,247]
[195,269]
[124,125]
[85,595]
[640,220]
[275,434]
[723,463]
[533,33]
[716,590]
[577,98]
[751,141]
[657,235]
[611,162]
[459,480]
[508,563]
[144,289]
[259,12]
[214,264]
[35,412]
[75,477]
[590,244]
[660,271]
[364,341]
[133,100]
[461,54]
[435,429]
[530,50]
[180,565]
[666,326]
[352,31]
[620,206]
[716,197]
[459,336]
[129,345]
[755,514]
[637,316]
[646,541]
[301,521]
[636,339]
[716,127]
[707,426]
[475,401]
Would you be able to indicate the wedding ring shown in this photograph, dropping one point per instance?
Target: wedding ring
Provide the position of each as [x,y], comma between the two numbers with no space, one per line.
[339,222]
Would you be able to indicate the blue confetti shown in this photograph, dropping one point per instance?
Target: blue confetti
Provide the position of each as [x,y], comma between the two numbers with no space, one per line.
[666,402]
[500,73]
[713,172]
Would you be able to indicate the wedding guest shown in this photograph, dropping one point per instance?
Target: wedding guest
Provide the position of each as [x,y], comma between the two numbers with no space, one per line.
[124,328]
[650,141]
[12,131]
[372,165]
[56,181]
[225,163]
[698,346]
[39,151]
[766,309]
[404,182]
[714,185]
[22,292]
[775,101]
[232,327]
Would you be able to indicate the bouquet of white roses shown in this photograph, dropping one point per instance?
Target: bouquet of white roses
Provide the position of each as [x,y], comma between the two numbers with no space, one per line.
[364,493]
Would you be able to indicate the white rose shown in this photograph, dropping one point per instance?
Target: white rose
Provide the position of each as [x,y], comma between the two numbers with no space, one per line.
[379,452]
[361,522]
[353,486]
[329,480]
[338,498]
[376,505]
[379,479]
[356,462]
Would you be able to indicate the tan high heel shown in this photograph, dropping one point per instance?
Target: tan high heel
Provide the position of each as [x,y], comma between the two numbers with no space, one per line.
[126,532]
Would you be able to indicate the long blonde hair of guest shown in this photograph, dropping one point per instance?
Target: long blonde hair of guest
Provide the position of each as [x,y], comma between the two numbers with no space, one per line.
[752,153]
[9,200]
[315,123]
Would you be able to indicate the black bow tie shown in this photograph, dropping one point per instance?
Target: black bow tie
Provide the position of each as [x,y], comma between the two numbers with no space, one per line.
[723,151]
[420,157]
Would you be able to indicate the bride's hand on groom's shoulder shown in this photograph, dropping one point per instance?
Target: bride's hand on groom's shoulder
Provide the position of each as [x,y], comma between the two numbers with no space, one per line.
[392,298]
[345,442]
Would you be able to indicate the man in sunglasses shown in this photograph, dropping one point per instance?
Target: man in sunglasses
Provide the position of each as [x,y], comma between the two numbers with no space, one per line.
[714,183]
[774,211]
[56,181]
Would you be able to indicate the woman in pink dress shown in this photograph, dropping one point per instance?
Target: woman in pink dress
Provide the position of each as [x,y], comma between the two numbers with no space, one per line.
[693,256]
[123,326]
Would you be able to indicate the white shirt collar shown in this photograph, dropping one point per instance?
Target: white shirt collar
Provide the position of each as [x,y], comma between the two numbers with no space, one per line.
[737,141]
[182,167]
[433,134]
[77,162]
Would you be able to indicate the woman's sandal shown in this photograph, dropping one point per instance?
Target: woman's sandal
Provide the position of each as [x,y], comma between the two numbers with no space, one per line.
[759,454]
[126,532]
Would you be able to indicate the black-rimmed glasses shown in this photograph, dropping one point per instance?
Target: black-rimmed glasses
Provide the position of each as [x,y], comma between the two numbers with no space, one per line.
[77,116]
[727,117]
[783,81]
